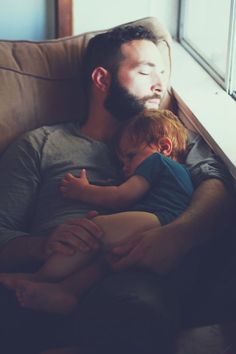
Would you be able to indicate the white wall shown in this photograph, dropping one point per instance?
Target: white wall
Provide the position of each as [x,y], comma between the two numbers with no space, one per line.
[26,19]
[92,15]
[34,19]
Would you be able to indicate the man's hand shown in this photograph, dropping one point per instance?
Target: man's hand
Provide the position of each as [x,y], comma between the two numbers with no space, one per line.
[79,234]
[156,249]
[161,249]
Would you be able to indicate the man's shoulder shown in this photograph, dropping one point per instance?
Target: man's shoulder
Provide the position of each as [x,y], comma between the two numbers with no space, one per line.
[45,132]
[50,129]
[36,138]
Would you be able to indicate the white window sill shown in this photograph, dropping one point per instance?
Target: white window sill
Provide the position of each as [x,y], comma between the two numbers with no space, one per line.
[208,109]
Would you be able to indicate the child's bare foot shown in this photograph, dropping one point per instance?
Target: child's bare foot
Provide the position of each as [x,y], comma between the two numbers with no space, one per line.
[49,297]
[10,280]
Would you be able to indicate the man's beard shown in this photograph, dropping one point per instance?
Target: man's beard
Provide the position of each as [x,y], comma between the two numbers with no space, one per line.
[122,104]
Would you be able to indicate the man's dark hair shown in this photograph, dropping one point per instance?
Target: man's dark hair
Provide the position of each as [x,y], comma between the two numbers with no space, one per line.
[104,49]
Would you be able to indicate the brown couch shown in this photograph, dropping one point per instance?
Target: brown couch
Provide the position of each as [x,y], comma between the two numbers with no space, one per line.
[40,82]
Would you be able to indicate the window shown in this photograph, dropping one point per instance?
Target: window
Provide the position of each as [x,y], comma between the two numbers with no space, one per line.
[207,29]
[233,78]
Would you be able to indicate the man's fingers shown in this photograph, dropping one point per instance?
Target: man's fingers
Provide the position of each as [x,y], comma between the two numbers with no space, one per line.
[59,247]
[88,225]
[78,238]
[126,255]
[82,234]
[123,249]
[125,262]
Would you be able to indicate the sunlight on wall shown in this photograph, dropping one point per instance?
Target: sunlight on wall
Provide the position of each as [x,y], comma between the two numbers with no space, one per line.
[92,15]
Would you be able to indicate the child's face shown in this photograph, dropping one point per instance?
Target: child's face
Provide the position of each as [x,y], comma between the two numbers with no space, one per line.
[133,155]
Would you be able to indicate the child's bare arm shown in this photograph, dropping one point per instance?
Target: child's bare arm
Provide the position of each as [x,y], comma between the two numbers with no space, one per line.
[115,197]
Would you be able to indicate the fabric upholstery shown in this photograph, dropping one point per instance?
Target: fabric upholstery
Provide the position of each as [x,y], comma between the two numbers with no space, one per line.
[40,82]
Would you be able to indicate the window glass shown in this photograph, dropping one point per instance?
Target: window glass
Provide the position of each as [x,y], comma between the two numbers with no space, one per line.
[233,73]
[206,28]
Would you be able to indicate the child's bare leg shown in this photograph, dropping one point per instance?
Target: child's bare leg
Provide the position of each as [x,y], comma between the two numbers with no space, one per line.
[116,227]
[9,279]
[56,268]
[63,297]
[60,297]
[121,226]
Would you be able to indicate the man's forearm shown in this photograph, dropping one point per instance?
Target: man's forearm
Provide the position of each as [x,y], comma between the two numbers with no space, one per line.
[22,250]
[207,214]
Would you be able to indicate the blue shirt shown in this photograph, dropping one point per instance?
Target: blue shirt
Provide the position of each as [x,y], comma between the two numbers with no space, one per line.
[170,187]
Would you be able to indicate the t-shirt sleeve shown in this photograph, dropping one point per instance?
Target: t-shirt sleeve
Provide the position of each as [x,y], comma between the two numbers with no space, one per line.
[203,163]
[150,169]
[19,183]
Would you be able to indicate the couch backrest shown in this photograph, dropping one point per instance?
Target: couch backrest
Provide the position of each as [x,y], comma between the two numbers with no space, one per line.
[40,82]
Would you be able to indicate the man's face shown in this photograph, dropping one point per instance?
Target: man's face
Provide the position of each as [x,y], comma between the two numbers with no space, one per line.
[138,82]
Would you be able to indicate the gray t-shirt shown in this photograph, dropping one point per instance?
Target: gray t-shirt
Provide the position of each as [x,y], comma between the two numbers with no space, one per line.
[32,167]
[31,171]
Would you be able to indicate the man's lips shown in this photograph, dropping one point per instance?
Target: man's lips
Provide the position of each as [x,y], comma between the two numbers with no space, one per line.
[154,100]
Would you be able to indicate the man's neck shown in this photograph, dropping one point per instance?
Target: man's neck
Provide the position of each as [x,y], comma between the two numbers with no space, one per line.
[100,126]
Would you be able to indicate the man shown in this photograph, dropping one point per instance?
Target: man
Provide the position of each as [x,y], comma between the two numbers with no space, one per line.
[131,311]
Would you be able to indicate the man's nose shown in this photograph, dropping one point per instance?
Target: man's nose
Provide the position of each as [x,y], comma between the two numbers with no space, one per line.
[158,86]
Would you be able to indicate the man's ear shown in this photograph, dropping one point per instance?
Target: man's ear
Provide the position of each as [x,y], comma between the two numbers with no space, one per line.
[165,146]
[101,78]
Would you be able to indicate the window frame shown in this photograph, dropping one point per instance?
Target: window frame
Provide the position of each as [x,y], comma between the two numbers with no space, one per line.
[63,18]
[228,81]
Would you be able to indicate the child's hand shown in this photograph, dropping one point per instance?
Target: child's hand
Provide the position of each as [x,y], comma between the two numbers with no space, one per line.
[83,177]
[73,187]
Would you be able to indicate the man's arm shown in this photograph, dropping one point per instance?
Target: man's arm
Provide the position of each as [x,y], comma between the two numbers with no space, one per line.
[114,197]
[203,163]
[20,180]
[161,249]
[19,183]
[207,215]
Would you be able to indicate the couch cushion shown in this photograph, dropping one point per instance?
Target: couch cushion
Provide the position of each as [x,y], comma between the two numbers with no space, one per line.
[40,81]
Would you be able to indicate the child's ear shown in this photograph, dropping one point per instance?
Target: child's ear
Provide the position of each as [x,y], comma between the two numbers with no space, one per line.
[101,78]
[165,146]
